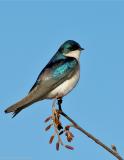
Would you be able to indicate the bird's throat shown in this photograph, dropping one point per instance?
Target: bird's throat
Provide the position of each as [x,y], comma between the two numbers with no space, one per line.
[75,54]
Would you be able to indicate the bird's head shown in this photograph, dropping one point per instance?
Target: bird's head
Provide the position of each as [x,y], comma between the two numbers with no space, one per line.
[71,48]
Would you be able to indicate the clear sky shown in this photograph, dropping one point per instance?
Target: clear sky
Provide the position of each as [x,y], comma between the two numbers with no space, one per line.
[30,33]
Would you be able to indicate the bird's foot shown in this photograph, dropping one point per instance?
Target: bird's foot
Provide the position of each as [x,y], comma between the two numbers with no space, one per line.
[60,103]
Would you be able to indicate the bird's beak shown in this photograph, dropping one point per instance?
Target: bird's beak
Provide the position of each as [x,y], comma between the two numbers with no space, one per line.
[82,49]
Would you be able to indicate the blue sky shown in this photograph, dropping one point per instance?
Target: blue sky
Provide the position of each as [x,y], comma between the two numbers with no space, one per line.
[30,33]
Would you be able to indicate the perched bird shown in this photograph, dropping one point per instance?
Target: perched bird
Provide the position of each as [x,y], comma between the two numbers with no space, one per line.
[56,79]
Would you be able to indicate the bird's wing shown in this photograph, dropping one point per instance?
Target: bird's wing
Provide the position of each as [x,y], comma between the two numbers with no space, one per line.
[53,75]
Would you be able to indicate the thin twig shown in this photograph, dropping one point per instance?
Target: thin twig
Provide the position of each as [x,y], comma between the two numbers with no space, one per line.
[91,136]
[55,127]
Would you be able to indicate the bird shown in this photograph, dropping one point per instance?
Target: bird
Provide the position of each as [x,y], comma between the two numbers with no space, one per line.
[57,78]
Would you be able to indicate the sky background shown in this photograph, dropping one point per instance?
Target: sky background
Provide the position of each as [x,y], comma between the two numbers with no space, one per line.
[30,34]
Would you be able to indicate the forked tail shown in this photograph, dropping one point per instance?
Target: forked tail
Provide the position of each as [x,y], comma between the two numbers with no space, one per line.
[17,107]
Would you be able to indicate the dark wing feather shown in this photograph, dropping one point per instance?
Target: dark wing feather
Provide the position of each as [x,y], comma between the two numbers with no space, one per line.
[54,74]
[51,76]
[55,59]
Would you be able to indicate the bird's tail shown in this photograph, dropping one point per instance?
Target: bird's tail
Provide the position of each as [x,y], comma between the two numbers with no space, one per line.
[17,107]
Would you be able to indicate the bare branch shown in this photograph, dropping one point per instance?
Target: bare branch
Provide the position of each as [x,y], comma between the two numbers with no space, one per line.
[113,151]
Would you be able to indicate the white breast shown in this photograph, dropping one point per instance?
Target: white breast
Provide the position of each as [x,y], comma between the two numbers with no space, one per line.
[69,84]
[65,87]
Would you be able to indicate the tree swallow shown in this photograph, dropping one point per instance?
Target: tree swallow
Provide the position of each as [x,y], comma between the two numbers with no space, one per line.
[56,79]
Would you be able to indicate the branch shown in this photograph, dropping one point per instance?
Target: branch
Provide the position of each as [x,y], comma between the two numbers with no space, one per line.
[112,151]
[58,130]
